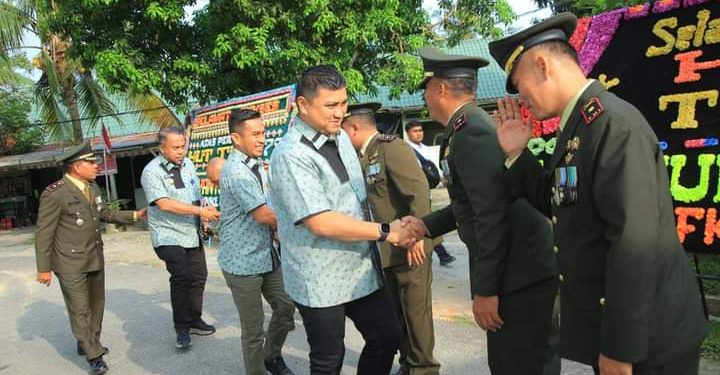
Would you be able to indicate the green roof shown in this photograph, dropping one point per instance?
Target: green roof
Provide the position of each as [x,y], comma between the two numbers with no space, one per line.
[122,124]
[491,79]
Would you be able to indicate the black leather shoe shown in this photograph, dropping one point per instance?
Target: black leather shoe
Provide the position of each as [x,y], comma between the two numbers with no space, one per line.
[81,351]
[183,341]
[98,366]
[444,261]
[201,328]
[277,366]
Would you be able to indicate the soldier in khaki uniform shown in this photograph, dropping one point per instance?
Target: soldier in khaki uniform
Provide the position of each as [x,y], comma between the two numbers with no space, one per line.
[396,187]
[68,242]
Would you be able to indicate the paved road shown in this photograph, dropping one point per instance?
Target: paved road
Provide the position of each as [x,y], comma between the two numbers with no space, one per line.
[36,337]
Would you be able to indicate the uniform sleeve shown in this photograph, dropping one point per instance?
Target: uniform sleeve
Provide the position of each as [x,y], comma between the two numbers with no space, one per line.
[624,186]
[479,163]
[245,191]
[297,188]
[48,217]
[112,216]
[527,179]
[402,169]
[440,222]
[153,185]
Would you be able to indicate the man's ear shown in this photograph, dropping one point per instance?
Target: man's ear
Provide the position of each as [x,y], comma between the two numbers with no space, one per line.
[235,137]
[302,104]
[542,66]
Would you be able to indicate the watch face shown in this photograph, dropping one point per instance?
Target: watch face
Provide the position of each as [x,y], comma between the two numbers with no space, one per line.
[385,228]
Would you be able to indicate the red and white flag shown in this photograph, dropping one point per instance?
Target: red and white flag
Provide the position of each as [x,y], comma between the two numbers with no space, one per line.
[106,139]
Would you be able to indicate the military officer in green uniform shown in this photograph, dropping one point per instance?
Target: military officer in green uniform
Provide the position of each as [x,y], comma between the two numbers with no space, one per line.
[629,301]
[397,187]
[513,270]
[68,242]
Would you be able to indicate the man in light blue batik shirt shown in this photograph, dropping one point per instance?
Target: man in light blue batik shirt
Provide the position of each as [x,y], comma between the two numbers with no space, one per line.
[172,190]
[250,263]
[331,264]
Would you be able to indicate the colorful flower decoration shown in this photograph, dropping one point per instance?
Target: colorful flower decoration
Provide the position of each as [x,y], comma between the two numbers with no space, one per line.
[637,11]
[601,32]
[661,6]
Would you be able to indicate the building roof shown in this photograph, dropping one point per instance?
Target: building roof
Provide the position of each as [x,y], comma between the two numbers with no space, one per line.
[53,154]
[491,80]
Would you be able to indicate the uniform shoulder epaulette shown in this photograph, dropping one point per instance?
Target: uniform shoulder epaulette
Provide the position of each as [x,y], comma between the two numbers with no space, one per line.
[460,122]
[592,109]
[54,186]
[386,137]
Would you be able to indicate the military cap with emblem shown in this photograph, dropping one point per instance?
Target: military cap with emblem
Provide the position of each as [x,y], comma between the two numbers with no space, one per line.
[359,109]
[439,64]
[80,152]
[507,51]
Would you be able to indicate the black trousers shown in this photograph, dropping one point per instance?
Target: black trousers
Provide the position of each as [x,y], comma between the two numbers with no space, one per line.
[372,315]
[689,364]
[524,344]
[188,274]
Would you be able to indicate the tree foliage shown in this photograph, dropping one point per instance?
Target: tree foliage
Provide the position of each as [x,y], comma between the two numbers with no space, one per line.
[67,90]
[583,8]
[17,135]
[236,47]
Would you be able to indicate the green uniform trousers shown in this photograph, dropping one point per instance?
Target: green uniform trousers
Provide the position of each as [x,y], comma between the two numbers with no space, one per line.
[84,295]
[524,344]
[247,292]
[410,289]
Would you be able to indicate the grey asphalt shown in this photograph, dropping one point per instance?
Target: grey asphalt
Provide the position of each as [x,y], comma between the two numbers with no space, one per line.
[35,336]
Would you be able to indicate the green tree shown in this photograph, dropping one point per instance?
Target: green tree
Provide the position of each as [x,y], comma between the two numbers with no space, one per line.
[66,87]
[236,47]
[17,134]
[584,8]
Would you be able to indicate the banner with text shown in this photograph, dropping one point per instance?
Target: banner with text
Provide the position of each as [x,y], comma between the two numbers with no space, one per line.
[209,136]
[664,58]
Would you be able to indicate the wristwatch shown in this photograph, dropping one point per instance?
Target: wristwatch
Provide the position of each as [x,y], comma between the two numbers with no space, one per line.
[384,232]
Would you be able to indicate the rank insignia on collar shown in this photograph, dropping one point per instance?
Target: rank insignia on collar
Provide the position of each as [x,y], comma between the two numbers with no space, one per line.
[592,109]
[460,122]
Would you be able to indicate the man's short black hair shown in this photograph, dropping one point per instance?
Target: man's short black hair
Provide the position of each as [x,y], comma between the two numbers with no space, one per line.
[412,124]
[316,77]
[239,116]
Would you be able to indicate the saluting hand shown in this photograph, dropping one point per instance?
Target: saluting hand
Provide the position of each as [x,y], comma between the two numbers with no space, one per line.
[44,278]
[513,133]
[485,310]
[609,366]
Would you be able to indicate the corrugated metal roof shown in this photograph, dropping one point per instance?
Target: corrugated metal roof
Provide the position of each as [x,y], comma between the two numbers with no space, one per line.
[491,79]
[54,154]
[120,125]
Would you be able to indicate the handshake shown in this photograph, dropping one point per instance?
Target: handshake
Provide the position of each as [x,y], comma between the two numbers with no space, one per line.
[409,232]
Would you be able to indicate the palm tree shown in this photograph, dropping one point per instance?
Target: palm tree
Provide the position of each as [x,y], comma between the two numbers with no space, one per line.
[65,88]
